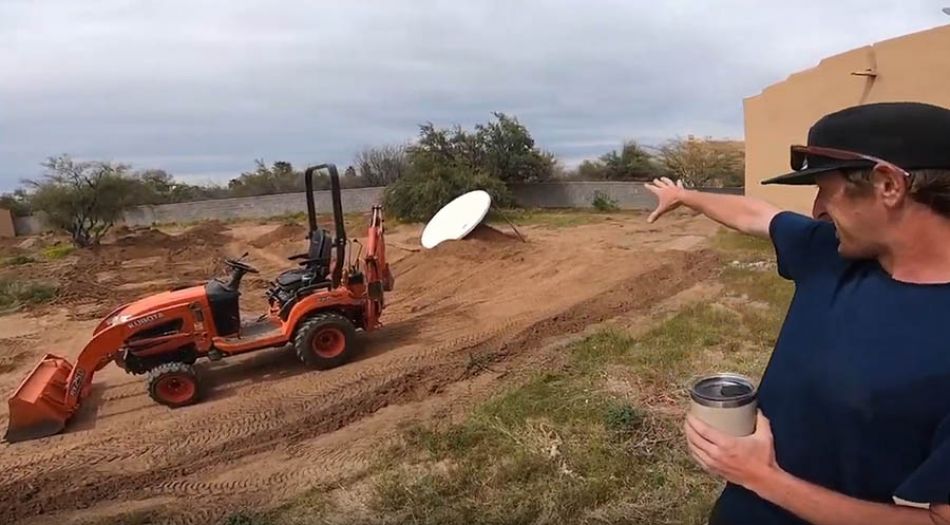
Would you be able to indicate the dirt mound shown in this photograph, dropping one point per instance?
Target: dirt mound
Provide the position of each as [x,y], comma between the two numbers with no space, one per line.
[484,232]
[484,242]
[80,285]
[287,232]
[140,237]
[209,233]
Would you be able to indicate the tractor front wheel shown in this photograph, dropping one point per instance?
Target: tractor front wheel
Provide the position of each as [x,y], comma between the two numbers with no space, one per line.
[173,385]
[325,341]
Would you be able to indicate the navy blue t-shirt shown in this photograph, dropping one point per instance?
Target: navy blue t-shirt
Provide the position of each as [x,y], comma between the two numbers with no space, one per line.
[858,388]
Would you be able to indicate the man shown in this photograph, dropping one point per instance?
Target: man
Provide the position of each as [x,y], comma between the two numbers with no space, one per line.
[854,426]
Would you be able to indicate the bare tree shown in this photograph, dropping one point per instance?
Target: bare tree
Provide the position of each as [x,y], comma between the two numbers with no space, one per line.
[382,165]
[704,162]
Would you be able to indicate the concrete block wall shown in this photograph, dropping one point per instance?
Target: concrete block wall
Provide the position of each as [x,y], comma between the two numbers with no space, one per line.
[626,195]
[251,207]
[581,194]
[29,225]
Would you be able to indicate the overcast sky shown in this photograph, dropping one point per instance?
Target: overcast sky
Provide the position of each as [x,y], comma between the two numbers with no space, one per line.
[201,89]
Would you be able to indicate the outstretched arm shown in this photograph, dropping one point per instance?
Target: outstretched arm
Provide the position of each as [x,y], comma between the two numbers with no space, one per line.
[745,214]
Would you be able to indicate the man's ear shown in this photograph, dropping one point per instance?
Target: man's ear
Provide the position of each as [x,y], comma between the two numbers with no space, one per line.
[890,184]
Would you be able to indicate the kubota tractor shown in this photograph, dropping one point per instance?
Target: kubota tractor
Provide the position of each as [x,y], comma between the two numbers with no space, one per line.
[317,307]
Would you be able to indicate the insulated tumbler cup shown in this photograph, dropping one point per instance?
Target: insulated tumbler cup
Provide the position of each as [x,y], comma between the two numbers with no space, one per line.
[726,402]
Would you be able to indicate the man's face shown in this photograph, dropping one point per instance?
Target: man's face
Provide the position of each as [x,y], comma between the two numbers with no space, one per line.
[858,216]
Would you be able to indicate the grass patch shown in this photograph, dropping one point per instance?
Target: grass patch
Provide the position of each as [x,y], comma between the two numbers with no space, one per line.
[558,447]
[743,247]
[551,218]
[57,251]
[17,260]
[14,294]
[307,509]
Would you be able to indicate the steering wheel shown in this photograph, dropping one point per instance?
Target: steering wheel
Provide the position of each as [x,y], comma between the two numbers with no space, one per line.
[239,265]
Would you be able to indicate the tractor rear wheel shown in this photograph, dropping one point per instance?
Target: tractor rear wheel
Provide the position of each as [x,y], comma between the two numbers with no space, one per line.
[325,341]
[173,385]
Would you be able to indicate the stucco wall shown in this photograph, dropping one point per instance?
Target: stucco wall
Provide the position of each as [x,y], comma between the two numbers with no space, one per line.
[627,195]
[6,223]
[914,67]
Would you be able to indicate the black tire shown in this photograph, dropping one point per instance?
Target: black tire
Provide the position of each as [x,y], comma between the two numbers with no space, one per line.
[325,341]
[174,385]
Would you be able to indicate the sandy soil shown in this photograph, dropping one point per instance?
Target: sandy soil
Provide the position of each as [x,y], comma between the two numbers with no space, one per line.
[462,317]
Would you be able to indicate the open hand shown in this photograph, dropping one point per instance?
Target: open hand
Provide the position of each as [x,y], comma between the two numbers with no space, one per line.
[668,193]
[748,461]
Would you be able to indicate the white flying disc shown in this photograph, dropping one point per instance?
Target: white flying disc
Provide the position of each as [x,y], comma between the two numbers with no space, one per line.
[456,219]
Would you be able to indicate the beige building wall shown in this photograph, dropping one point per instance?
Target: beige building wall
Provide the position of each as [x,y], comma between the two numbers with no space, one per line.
[914,67]
[6,224]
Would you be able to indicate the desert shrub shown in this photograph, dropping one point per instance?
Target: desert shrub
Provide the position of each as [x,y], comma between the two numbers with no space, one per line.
[17,202]
[85,198]
[416,197]
[14,293]
[704,162]
[603,202]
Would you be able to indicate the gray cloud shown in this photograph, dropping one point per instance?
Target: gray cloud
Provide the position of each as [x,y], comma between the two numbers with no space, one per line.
[203,88]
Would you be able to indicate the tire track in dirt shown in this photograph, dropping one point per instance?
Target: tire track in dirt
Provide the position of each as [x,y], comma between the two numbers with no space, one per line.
[323,407]
[347,383]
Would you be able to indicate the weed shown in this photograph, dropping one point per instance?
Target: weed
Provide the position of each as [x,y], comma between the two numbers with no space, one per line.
[603,202]
[57,251]
[623,419]
[17,260]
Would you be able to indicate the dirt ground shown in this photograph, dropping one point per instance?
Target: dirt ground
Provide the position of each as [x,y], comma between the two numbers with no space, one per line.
[462,318]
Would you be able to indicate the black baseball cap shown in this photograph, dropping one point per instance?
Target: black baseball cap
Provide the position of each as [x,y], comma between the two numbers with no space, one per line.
[910,135]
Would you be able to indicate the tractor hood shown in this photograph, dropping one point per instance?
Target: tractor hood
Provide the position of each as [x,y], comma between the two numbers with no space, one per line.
[152,303]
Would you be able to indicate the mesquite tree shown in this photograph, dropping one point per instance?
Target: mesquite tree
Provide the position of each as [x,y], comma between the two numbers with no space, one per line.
[83,198]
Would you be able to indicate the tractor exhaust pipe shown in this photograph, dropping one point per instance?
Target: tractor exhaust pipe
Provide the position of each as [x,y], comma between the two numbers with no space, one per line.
[340,240]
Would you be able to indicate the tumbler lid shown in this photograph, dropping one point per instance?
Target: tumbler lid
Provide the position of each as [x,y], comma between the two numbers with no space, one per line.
[723,390]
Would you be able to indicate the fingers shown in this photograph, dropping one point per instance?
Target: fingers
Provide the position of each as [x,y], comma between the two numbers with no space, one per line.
[653,216]
[762,424]
[701,458]
[707,432]
[667,181]
[695,440]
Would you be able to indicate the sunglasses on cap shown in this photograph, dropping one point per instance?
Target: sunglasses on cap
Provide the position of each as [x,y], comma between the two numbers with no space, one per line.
[800,154]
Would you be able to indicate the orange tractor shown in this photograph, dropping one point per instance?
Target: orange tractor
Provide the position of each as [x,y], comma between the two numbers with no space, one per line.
[316,307]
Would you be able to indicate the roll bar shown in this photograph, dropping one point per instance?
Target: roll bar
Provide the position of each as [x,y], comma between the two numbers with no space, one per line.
[340,241]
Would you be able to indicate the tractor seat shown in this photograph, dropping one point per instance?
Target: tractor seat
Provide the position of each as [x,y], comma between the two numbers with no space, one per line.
[291,278]
[315,265]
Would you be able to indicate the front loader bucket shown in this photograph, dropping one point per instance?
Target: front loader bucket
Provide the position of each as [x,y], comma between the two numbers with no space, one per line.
[37,408]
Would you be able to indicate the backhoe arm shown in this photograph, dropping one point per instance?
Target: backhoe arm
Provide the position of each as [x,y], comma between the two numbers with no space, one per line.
[379,278]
